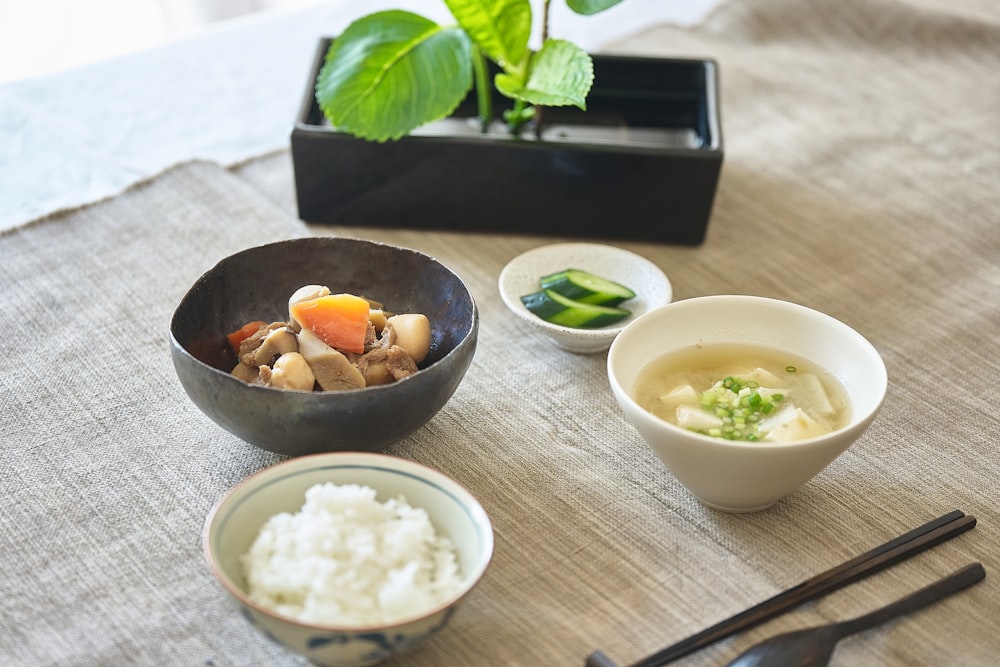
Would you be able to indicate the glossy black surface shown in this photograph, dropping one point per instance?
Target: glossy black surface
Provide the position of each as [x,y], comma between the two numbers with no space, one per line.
[256,284]
[658,186]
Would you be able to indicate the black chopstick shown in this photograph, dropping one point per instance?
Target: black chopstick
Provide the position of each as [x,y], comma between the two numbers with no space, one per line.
[895,550]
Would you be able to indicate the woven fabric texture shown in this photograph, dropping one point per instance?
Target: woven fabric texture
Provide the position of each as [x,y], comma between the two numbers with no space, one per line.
[860,178]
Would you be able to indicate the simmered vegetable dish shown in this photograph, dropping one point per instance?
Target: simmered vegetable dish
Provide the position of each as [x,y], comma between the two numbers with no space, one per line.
[331,342]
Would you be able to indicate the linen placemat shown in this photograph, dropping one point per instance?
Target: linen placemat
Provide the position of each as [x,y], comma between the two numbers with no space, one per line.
[847,186]
[862,156]
[107,470]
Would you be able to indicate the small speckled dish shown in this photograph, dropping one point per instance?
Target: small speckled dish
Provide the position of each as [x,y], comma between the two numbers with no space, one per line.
[646,279]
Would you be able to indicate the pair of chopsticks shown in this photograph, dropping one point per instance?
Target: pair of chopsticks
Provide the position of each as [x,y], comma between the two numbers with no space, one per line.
[906,545]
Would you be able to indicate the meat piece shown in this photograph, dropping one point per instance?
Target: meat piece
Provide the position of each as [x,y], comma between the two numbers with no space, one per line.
[248,374]
[387,360]
[374,366]
[399,363]
[370,336]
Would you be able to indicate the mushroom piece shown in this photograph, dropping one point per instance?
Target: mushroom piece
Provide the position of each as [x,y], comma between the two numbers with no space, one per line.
[249,345]
[306,293]
[291,371]
[333,371]
[278,342]
[410,331]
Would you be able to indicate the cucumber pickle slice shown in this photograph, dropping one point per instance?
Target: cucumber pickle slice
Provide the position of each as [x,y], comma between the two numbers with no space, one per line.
[555,308]
[585,287]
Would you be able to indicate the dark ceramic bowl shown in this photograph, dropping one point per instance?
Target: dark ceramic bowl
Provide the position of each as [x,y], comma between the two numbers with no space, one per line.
[255,284]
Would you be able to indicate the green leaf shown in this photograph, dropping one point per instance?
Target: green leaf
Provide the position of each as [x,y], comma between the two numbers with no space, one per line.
[590,7]
[500,28]
[561,74]
[391,72]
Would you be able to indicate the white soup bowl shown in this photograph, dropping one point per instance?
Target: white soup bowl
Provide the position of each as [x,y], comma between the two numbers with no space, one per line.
[739,476]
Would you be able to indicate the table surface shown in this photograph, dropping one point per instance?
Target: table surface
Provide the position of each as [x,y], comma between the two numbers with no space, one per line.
[862,153]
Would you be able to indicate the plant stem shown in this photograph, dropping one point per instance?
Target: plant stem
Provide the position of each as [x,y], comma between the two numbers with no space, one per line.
[515,118]
[545,36]
[484,97]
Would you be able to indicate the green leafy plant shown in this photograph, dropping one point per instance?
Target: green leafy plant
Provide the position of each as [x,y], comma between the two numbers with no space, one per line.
[390,72]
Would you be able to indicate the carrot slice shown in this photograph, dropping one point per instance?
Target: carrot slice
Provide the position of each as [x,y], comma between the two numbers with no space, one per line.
[339,320]
[244,332]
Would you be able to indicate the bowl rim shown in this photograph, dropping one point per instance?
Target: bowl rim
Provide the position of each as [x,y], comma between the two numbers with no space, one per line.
[350,459]
[513,301]
[858,422]
[469,338]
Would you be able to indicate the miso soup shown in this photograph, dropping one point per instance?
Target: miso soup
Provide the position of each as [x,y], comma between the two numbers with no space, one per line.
[743,392]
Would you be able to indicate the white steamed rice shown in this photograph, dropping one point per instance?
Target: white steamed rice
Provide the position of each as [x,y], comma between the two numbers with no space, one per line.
[346,559]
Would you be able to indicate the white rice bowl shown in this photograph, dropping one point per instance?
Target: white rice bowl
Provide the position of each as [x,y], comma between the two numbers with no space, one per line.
[347,559]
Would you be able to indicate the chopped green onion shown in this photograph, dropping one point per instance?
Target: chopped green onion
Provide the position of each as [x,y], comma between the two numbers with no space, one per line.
[740,407]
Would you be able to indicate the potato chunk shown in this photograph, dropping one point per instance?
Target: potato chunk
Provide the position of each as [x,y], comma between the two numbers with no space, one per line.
[412,332]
